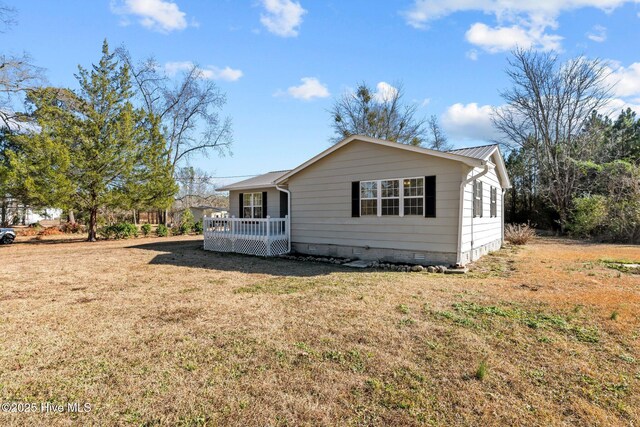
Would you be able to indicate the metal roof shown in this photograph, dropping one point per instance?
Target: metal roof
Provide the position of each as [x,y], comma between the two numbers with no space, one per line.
[269,179]
[209,207]
[261,181]
[482,152]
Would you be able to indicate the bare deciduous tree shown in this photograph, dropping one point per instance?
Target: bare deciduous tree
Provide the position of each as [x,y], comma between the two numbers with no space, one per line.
[437,139]
[7,17]
[197,188]
[189,109]
[378,115]
[547,107]
[17,74]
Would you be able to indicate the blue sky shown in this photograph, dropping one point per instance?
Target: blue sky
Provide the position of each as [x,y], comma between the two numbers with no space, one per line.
[281,62]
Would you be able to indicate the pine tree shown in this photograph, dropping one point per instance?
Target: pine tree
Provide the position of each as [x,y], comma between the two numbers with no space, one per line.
[104,152]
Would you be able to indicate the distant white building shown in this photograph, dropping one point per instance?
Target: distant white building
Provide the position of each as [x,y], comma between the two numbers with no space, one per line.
[200,212]
[13,213]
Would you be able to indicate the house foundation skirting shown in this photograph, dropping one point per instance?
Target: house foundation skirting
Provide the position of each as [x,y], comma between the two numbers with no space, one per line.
[472,255]
[376,254]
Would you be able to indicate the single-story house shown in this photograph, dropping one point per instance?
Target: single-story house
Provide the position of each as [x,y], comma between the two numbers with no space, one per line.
[371,199]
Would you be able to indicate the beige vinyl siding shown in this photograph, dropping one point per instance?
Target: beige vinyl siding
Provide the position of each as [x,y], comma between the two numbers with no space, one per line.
[321,200]
[273,201]
[485,229]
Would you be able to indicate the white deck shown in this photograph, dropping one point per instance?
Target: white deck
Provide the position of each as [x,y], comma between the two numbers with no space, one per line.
[252,236]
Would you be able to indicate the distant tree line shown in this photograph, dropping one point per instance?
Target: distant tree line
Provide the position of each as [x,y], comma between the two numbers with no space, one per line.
[573,169]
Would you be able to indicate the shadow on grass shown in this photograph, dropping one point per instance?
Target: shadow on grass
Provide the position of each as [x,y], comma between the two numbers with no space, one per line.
[34,241]
[191,254]
[571,241]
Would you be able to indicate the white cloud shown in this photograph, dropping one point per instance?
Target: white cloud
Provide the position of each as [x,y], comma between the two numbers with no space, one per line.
[227,73]
[469,122]
[472,54]
[528,20]
[282,17]
[501,39]
[207,73]
[616,105]
[425,102]
[625,84]
[384,92]
[158,15]
[309,89]
[625,81]
[598,34]
[424,11]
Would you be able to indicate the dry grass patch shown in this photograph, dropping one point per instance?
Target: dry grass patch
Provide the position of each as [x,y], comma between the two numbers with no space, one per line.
[160,332]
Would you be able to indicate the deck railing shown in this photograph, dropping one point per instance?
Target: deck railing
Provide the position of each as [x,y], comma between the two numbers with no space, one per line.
[255,236]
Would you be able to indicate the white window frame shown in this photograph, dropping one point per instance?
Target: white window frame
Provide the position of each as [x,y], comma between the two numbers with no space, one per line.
[377,198]
[493,202]
[478,199]
[252,204]
[412,197]
[401,196]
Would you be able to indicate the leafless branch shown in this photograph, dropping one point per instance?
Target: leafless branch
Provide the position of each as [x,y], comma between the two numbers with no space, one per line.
[546,109]
[189,109]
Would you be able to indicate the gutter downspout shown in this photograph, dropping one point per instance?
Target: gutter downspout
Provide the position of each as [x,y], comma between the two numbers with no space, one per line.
[463,184]
[502,215]
[284,190]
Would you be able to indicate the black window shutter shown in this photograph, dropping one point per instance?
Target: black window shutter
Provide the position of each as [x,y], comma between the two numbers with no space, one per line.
[284,204]
[241,213]
[430,196]
[355,199]
[264,204]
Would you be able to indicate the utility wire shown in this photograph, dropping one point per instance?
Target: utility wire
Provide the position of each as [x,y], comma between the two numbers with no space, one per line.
[209,178]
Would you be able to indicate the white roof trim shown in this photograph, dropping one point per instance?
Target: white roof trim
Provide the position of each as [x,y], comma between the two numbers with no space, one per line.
[450,156]
[502,168]
[246,187]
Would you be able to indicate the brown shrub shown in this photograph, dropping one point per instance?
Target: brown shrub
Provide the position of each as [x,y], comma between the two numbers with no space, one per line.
[72,227]
[50,231]
[518,234]
[27,231]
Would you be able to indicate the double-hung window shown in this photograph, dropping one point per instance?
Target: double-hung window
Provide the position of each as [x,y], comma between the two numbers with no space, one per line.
[413,194]
[252,205]
[477,198]
[493,210]
[368,198]
[390,197]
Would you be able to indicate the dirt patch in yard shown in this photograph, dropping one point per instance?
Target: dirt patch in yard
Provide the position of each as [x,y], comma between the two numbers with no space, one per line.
[160,332]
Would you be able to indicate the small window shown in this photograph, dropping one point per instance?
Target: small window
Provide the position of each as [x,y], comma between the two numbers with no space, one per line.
[493,211]
[252,205]
[477,199]
[413,191]
[368,198]
[390,196]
